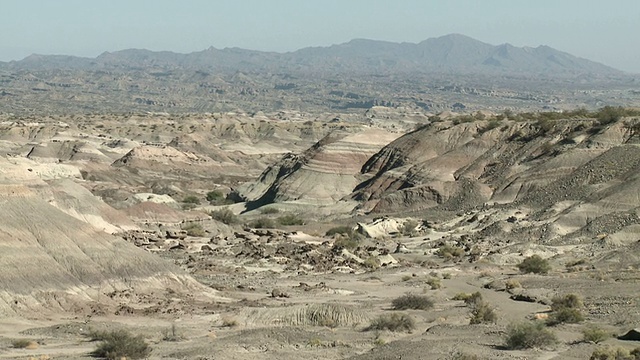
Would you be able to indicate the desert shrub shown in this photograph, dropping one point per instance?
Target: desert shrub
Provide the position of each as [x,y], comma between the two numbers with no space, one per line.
[194,229]
[290,219]
[482,312]
[446,276]
[528,335]
[464,356]
[344,230]
[269,211]
[229,322]
[263,223]
[566,309]
[614,353]
[512,284]
[473,299]
[409,228]
[225,216]
[534,264]
[392,322]
[434,282]
[191,199]
[372,262]
[609,114]
[449,252]
[216,197]
[595,334]
[171,334]
[490,126]
[121,344]
[565,315]
[346,243]
[413,302]
[22,343]
[571,301]
[461,296]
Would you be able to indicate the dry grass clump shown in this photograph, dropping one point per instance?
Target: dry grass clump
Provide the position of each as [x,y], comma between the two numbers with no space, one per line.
[120,344]
[413,302]
[615,353]
[527,335]
[392,322]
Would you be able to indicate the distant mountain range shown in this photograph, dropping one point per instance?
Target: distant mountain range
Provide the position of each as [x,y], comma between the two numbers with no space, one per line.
[450,54]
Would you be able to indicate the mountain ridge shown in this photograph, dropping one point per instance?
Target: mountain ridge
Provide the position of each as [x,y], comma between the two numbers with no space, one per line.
[453,52]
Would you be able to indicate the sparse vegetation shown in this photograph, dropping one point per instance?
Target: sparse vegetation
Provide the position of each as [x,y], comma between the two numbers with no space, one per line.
[434,282]
[225,216]
[263,223]
[464,356]
[171,334]
[449,252]
[216,197]
[343,230]
[289,220]
[194,229]
[229,322]
[392,322]
[594,334]
[120,344]
[413,302]
[22,343]
[511,284]
[566,309]
[482,312]
[615,353]
[269,211]
[534,264]
[191,199]
[527,335]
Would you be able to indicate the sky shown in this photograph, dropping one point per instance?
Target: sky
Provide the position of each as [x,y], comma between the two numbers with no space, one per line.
[603,31]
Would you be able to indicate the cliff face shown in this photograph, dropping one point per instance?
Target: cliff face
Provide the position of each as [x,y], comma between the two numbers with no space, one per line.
[323,174]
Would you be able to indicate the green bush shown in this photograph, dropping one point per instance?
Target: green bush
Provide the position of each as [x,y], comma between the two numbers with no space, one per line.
[194,229]
[413,302]
[121,344]
[392,322]
[262,223]
[225,216]
[594,334]
[289,220]
[534,264]
[529,335]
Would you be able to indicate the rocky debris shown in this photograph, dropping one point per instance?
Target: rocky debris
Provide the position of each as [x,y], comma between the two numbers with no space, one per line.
[267,246]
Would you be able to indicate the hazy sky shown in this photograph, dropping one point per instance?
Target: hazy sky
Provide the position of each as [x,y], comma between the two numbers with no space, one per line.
[604,31]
